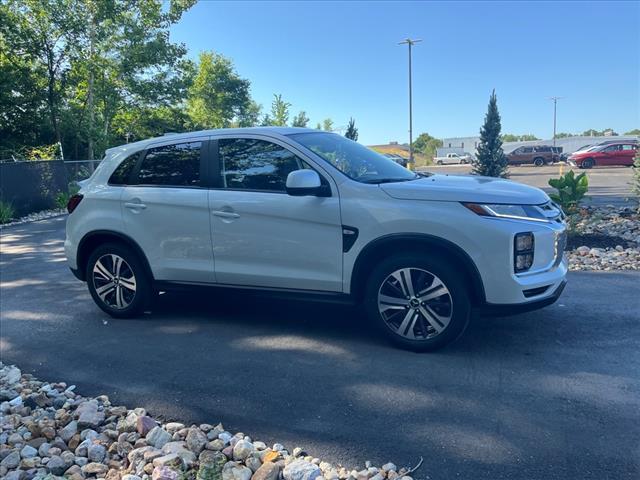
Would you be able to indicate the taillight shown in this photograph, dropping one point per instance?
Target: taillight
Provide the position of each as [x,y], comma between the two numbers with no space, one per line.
[73,202]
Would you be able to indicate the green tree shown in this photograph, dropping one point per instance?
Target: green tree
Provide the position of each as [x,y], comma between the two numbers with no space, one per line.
[352,131]
[509,137]
[490,160]
[635,183]
[635,131]
[427,145]
[279,111]
[300,120]
[327,125]
[318,126]
[266,120]
[218,96]
[564,135]
[250,117]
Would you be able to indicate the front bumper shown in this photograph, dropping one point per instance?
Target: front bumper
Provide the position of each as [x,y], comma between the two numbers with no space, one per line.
[514,309]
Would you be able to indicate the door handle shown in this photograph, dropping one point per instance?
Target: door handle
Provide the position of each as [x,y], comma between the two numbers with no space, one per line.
[135,205]
[224,214]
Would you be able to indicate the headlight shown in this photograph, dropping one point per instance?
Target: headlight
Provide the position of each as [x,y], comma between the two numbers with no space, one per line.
[523,250]
[518,212]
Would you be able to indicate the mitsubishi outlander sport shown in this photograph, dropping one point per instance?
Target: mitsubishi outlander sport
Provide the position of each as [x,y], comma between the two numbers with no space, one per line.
[304,211]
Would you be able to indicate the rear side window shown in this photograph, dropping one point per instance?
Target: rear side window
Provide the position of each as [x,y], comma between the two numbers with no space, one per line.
[250,164]
[122,174]
[172,165]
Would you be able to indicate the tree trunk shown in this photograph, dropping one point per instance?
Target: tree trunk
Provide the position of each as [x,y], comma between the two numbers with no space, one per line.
[51,95]
[90,89]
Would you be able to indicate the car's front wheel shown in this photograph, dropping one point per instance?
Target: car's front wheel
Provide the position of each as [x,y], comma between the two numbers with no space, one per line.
[538,162]
[419,303]
[117,281]
[588,163]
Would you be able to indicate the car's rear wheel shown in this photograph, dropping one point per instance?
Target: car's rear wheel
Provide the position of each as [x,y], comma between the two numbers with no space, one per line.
[419,303]
[588,163]
[538,162]
[439,162]
[117,281]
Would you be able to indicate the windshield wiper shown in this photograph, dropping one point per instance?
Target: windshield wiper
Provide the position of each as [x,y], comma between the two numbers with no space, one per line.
[389,180]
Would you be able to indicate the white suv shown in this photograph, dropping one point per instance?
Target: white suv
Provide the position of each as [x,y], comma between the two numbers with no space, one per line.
[310,212]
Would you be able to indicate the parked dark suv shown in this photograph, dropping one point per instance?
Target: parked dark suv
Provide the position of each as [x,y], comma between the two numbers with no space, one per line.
[539,155]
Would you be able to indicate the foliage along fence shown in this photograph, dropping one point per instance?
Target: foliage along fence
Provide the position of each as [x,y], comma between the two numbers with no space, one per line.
[32,186]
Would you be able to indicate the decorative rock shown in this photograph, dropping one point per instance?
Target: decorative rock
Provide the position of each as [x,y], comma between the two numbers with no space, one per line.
[56,465]
[242,450]
[235,471]
[172,459]
[389,467]
[301,470]
[90,416]
[158,437]
[69,431]
[196,440]
[96,453]
[164,473]
[268,471]
[12,460]
[270,456]
[145,424]
[131,477]
[211,464]
[28,452]
[94,468]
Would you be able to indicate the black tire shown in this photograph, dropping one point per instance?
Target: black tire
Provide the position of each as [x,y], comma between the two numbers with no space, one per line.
[588,163]
[136,302]
[439,267]
[538,162]
[439,162]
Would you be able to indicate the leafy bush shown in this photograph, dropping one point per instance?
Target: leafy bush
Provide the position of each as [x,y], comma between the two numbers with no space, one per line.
[571,191]
[63,197]
[6,212]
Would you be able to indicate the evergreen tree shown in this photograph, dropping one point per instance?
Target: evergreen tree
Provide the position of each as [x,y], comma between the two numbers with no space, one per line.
[279,111]
[636,176]
[318,126]
[491,160]
[352,131]
[300,120]
[327,125]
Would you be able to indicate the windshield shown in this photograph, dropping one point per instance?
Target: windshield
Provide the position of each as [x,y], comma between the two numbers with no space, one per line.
[352,159]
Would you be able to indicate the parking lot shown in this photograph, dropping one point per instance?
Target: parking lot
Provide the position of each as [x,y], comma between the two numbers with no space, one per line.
[552,394]
[607,185]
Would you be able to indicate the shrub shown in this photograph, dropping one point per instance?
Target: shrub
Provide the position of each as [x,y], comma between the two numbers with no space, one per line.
[62,198]
[6,212]
[571,190]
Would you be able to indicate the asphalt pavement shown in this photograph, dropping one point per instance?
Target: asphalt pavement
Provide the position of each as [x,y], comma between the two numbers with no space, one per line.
[553,394]
[607,185]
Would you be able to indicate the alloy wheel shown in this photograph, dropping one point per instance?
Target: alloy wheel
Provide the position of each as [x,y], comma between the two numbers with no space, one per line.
[415,304]
[114,281]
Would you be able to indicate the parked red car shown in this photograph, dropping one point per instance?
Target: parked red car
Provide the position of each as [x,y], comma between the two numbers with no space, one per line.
[604,155]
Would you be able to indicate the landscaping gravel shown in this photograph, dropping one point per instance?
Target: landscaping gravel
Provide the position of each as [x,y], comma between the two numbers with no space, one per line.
[49,431]
[601,225]
[33,217]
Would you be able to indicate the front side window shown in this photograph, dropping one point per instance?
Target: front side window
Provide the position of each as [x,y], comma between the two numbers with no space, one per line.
[354,160]
[251,164]
[172,165]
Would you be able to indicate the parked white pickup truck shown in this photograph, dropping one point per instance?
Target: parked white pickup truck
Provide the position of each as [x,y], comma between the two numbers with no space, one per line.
[452,158]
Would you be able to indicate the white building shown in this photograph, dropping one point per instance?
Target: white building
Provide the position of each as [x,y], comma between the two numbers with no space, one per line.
[568,144]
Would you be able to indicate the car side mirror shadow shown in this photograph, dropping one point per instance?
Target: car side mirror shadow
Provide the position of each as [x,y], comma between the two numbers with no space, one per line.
[302,183]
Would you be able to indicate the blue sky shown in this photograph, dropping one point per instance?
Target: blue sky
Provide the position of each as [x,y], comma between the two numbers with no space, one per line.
[341,59]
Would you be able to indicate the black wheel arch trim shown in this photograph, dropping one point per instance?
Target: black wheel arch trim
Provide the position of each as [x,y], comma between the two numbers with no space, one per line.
[80,271]
[447,245]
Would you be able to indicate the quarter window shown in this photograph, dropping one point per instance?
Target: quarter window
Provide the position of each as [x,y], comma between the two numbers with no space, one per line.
[172,165]
[122,174]
[251,164]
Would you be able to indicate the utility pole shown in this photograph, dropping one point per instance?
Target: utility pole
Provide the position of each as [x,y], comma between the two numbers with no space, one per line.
[410,43]
[555,103]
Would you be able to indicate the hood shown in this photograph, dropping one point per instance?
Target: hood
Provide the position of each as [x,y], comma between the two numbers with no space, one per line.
[466,188]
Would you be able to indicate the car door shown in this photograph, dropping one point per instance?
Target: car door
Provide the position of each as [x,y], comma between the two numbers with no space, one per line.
[264,237]
[165,210]
[609,156]
[627,154]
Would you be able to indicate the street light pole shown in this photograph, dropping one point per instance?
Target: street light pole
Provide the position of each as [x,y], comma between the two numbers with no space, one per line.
[555,103]
[410,43]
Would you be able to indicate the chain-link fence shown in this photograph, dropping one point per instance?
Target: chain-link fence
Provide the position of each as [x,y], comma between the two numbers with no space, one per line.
[80,169]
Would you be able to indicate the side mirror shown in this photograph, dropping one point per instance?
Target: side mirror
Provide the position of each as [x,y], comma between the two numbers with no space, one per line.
[306,182]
